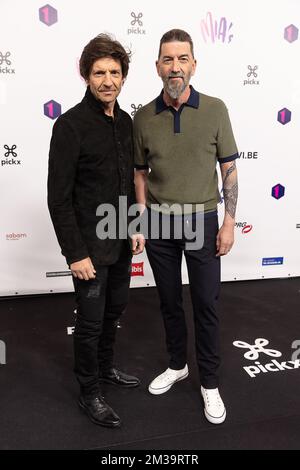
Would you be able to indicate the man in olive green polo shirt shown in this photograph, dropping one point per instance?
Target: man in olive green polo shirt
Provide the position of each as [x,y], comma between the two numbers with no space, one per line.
[179,137]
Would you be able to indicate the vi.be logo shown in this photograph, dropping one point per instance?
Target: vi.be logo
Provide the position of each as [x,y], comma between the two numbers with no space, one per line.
[258,348]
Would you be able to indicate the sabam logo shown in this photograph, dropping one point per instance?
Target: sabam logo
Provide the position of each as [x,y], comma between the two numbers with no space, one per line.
[10,151]
[246,228]
[251,73]
[258,348]
[272,261]
[211,29]
[2,352]
[15,236]
[4,59]
[248,155]
[136,20]
[135,108]
[137,269]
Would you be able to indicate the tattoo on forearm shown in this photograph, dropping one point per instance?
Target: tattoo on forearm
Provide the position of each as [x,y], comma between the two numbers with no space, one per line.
[230,198]
[230,190]
[230,170]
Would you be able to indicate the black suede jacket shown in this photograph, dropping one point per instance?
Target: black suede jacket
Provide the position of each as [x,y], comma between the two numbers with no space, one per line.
[90,163]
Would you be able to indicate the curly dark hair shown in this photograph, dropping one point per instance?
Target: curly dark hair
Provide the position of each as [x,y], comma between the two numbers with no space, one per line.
[101,46]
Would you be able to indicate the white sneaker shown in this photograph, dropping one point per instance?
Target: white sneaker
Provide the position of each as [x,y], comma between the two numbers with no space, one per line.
[214,408]
[163,382]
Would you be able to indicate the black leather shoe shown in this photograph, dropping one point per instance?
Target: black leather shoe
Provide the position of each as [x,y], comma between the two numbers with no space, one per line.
[116,377]
[99,412]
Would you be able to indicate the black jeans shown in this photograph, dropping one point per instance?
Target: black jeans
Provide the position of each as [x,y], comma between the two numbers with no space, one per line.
[100,303]
[165,257]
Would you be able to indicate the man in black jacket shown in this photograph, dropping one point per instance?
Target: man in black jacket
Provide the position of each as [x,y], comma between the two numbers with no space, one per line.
[91,164]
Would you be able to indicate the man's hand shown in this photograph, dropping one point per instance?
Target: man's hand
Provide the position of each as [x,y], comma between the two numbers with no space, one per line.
[83,269]
[137,243]
[225,239]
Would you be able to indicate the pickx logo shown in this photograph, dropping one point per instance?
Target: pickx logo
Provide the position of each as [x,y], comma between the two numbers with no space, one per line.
[137,22]
[256,349]
[10,156]
[259,348]
[216,30]
[135,108]
[246,228]
[4,60]
[137,269]
[252,73]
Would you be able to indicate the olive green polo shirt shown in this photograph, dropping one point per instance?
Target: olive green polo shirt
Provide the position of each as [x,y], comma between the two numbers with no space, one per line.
[181,148]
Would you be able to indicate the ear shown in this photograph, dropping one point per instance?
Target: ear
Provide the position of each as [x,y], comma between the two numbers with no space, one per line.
[157,67]
[194,67]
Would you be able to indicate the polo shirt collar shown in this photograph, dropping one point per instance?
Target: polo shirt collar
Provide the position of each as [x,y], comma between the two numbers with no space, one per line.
[193,101]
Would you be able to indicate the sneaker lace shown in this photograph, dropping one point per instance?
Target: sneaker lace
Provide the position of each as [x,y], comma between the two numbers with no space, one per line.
[213,395]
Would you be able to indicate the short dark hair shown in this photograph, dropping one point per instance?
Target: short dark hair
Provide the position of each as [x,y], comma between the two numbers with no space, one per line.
[176,35]
[102,46]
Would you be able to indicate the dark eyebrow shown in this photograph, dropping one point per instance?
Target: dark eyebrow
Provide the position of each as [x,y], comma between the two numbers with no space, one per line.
[182,56]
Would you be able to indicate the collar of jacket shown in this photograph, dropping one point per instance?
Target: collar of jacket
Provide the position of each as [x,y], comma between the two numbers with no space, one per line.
[97,105]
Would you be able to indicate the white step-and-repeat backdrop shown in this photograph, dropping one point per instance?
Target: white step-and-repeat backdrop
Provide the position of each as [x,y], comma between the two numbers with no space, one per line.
[248,55]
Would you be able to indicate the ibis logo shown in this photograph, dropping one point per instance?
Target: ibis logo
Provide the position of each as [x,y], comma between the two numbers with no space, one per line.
[137,269]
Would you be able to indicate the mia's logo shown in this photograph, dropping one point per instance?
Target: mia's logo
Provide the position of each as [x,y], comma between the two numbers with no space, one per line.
[216,30]
[136,21]
[252,73]
[10,152]
[256,349]
[4,60]
[135,108]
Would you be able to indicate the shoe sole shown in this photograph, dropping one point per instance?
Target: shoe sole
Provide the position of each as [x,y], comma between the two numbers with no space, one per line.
[84,408]
[111,382]
[213,419]
[160,391]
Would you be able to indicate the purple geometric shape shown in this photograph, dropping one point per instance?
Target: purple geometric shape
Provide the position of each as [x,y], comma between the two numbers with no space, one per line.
[278,191]
[52,109]
[284,116]
[291,33]
[48,15]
